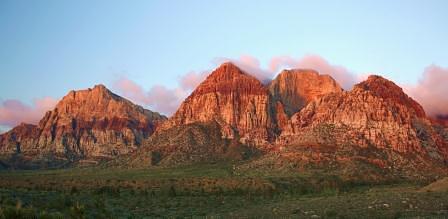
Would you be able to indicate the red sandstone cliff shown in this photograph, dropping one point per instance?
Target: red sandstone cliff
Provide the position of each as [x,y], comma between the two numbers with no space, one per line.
[234,99]
[296,88]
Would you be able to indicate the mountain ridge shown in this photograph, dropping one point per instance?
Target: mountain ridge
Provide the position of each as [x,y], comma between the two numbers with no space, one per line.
[87,124]
[301,119]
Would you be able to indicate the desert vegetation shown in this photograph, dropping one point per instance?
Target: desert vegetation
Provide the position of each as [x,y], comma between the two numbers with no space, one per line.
[207,190]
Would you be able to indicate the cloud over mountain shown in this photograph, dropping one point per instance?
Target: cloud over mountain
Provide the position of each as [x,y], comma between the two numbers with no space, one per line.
[432,90]
[14,112]
[250,65]
[166,100]
[159,98]
[341,74]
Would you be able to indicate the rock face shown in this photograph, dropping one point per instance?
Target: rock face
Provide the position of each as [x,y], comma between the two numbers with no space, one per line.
[294,89]
[390,92]
[92,123]
[376,113]
[23,134]
[234,99]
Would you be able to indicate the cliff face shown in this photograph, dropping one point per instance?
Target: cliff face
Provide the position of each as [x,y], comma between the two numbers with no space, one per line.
[86,124]
[294,89]
[376,113]
[234,99]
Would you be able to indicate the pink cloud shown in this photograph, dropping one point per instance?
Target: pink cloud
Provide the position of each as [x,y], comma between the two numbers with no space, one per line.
[13,112]
[159,98]
[192,79]
[252,66]
[432,90]
[163,99]
[130,90]
[341,74]
[166,100]
[279,62]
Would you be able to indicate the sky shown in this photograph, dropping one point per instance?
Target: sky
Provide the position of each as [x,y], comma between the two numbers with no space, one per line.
[155,52]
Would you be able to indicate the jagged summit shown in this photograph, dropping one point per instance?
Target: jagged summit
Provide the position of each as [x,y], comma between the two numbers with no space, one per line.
[99,102]
[99,87]
[229,78]
[226,71]
[388,90]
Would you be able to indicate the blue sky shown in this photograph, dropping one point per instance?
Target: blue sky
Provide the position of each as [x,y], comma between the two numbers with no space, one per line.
[49,47]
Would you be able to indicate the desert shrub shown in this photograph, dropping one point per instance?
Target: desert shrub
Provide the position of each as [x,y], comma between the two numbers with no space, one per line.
[53,215]
[331,213]
[109,190]
[100,209]
[60,202]
[67,200]
[171,191]
[17,213]
[77,211]
[155,157]
[74,190]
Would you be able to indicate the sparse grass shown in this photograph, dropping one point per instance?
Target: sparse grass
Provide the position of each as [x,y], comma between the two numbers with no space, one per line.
[197,170]
[206,190]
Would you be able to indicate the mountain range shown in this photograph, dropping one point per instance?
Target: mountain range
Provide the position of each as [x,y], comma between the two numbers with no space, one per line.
[300,121]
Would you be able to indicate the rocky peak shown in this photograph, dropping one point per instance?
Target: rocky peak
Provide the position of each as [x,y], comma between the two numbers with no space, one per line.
[389,91]
[297,87]
[226,71]
[23,129]
[89,123]
[22,133]
[228,78]
[233,98]
[98,103]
